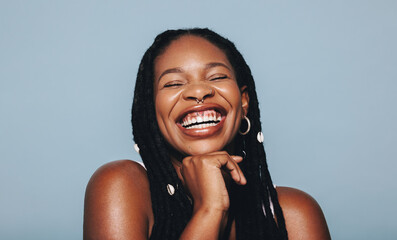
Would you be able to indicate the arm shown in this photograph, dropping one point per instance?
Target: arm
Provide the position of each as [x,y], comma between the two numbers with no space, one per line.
[303,216]
[204,178]
[117,203]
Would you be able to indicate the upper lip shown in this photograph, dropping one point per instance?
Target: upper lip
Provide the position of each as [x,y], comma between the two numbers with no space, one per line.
[201,107]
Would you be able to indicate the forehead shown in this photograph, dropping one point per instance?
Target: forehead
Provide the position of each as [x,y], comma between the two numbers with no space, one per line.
[190,47]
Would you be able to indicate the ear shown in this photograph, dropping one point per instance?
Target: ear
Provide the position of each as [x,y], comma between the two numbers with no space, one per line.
[245,99]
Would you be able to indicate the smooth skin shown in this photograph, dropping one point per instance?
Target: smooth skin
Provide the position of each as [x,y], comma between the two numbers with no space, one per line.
[118,202]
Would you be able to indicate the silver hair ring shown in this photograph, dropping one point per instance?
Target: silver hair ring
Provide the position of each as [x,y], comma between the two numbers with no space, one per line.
[170,189]
[136,148]
[260,137]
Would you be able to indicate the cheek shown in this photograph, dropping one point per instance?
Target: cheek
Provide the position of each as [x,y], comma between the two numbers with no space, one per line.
[164,103]
[231,92]
[161,109]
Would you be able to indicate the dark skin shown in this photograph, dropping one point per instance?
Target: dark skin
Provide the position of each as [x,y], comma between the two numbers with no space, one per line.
[118,206]
[118,203]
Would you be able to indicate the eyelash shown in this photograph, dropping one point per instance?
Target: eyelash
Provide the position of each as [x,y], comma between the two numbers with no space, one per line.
[177,84]
[219,78]
[167,85]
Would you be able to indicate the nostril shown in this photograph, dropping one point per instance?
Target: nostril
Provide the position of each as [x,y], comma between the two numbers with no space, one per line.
[198,92]
[209,94]
[192,98]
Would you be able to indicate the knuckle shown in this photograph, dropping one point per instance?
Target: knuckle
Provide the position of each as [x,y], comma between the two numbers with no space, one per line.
[186,161]
[194,160]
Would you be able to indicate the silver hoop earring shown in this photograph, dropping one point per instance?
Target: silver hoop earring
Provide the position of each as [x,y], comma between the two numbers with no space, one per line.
[248,126]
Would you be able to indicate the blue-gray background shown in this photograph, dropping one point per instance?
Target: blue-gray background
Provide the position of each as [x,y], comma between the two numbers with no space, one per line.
[326,77]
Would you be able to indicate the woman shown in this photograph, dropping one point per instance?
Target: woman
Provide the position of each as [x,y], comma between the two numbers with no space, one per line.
[196,121]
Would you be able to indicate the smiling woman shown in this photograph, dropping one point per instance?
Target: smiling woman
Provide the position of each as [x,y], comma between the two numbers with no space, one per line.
[199,106]
[206,175]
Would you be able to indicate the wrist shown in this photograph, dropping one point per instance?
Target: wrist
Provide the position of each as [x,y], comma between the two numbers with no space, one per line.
[210,210]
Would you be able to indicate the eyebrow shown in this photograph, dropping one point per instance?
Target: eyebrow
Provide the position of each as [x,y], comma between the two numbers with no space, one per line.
[216,64]
[171,70]
[206,67]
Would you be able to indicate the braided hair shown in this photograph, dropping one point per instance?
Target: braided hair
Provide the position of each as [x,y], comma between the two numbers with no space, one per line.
[253,204]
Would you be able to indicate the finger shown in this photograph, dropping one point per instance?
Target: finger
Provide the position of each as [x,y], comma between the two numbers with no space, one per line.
[223,153]
[219,153]
[229,163]
[235,172]
[237,159]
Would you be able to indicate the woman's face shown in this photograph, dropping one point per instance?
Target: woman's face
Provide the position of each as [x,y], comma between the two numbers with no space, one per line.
[199,105]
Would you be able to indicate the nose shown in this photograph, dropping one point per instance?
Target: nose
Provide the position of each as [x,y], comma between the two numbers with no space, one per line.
[198,92]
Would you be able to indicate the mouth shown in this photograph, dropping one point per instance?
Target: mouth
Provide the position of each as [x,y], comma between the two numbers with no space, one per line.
[202,117]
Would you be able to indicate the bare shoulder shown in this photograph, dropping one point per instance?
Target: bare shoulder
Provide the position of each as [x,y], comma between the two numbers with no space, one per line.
[117,202]
[304,218]
[119,172]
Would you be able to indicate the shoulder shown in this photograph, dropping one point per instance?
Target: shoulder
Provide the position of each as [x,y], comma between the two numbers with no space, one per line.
[119,172]
[117,202]
[304,218]
[124,177]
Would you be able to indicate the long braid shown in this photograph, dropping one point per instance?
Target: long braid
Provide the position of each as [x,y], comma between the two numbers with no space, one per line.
[263,187]
[155,157]
[251,203]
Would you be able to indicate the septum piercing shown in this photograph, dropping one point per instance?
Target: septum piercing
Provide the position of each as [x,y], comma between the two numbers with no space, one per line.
[202,100]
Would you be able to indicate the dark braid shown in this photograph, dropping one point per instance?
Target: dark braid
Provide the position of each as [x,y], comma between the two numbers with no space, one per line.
[251,204]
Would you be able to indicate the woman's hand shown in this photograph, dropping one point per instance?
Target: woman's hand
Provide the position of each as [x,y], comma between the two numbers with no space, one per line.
[206,178]
[203,176]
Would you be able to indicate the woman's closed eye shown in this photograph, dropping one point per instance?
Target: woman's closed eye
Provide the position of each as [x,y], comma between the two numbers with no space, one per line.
[218,77]
[172,84]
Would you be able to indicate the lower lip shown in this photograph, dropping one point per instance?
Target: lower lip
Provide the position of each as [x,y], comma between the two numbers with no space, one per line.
[202,132]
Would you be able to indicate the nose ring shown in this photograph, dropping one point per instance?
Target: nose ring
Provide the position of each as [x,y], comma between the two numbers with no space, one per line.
[202,100]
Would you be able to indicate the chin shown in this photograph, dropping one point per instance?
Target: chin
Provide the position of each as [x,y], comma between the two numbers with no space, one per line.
[202,151]
[201,148]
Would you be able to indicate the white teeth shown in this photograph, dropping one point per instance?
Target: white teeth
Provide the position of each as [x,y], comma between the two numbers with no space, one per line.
[201,119]
[203,125]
